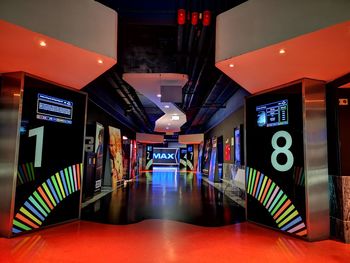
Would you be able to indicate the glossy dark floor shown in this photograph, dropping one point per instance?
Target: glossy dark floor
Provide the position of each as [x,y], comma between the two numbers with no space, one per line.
[166,194]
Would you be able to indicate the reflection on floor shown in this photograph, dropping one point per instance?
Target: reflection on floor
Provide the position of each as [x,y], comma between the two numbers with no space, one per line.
[166,241]
[166,194]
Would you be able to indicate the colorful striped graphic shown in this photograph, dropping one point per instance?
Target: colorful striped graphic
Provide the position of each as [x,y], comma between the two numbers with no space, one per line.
[298,176]
[279,206]
[46,197]
[190,165]
[149,164]
[25,173]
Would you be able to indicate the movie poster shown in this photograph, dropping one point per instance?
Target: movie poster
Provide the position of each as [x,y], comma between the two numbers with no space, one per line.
[115,155]
[227,150]
[99,138]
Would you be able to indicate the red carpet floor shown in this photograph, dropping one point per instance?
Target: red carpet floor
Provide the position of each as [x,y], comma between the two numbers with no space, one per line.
[166,241]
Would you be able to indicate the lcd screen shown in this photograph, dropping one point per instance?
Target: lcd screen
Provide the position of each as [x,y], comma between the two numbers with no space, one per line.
[272,114]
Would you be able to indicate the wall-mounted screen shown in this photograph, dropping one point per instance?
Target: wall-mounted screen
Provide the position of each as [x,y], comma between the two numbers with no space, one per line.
[50,155]
[272,114]
[237,152]
[54,109]
[165,156]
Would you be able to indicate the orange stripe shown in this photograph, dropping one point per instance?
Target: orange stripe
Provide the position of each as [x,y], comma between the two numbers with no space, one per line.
[25,172]
[267,187]
[25,220]
[286,204]
[43,195]
[302,233]
[78,174]
[256,182]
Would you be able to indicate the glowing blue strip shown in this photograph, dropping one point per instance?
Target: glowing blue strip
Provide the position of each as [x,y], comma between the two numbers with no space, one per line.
[64,182]
[294,222]
[29,206]
[21,172]
[35,203]
[48,181]
[16,231]
[260,182]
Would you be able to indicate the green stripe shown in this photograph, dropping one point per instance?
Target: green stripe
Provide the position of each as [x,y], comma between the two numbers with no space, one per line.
[19,178]
[29,172]
[280,192]
[289,218]
[37,205]
[41,201]
[71,178]
[262,188]
[27,213]
[32,169]
[250,179]
[67,181]
[272,186]
[285,213]
[24,227]
[279,204]
[53,179]
[60,184]
[48,192]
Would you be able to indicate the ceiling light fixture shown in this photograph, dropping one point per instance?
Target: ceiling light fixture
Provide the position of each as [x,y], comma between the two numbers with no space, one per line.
[282,51]
[159,95]
[167,106]
[231,65]
[100,61]
[42,43]
[175,117]
[167,128]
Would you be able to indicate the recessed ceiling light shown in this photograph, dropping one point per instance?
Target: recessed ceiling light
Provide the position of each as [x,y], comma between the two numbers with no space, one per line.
[125,138]
[167,106]
[159,95]
[175,117]
[167,128]
[231,65]
[282,51]
[42,43]
[100,61]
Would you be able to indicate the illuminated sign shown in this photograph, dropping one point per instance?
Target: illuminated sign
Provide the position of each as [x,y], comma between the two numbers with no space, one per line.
[272,114]
[165,156]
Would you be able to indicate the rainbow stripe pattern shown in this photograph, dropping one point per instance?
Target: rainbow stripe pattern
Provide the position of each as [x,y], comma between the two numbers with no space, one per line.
[46,197]
[272,197]
[25,173]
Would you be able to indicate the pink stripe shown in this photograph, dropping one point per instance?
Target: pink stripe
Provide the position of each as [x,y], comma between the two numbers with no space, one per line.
[272,197]
[75,177]
[298,227]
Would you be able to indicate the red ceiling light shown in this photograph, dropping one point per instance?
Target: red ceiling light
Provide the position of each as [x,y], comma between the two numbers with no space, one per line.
[206,18]
[194,18]
[181,16]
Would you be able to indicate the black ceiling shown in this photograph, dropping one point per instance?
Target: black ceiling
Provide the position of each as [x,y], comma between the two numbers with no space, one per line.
[151,41]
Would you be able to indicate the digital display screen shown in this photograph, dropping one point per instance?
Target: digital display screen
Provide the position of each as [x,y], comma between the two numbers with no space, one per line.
[165,156]
[54,109]
[272,114]
[275,179]
[50,159]
[237,146]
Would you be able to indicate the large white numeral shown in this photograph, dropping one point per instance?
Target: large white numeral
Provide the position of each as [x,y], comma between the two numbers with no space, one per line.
[39,133]
[191,155]
[282,150]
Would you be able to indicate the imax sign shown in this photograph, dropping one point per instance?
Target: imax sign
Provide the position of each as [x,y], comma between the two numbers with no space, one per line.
[164,156]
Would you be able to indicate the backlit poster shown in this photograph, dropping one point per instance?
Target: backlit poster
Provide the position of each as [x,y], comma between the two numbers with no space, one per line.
[227,150]
[50,156]
[133,159]
[200,157]
[275,160]
[99,140]
[212,166]
[149,157]
[183,158]
[115,154]
[206,157]
[126,158]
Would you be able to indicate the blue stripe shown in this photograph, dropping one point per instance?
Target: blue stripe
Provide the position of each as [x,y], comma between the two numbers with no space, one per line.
[64,182]
[29,206]
[16,231]
[294,222]
[22,174]
[280,192]
[35,203]
[260,182]
[52,190]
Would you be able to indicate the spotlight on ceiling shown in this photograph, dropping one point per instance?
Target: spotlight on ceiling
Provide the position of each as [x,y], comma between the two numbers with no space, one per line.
[175,117]
[159,95]
[167,106]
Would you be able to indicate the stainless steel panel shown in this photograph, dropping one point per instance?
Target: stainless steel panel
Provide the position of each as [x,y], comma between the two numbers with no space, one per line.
[315,159]
[10,115]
